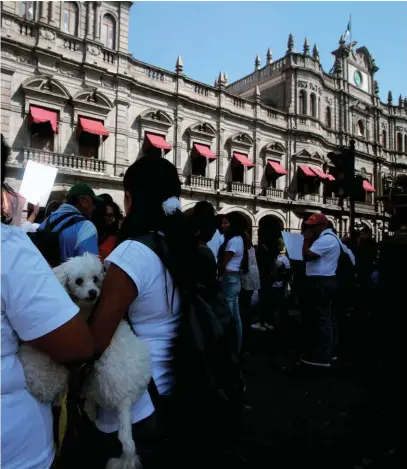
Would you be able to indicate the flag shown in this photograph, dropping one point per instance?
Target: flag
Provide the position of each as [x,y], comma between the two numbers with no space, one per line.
[348,31]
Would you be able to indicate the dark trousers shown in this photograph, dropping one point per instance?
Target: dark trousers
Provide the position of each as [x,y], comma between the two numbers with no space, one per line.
[265,310]
[245,305]
[318,318]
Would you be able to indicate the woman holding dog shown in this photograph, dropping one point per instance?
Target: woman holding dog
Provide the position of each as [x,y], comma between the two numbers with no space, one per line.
[36,309]
[154,234]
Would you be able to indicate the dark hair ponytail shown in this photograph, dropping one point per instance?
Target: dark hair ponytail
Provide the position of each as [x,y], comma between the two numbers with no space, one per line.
[151,181]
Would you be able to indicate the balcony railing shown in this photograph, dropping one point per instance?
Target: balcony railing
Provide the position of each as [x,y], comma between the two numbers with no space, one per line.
[332,200]
[200,181]
[310,198]
[275,193]
[61,160]
[240,187]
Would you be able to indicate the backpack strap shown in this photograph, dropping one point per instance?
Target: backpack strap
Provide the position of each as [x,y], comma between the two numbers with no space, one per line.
[50,225]
[73,221]
[337,239]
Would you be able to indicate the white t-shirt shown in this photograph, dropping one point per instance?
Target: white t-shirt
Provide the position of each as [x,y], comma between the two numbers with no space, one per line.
[327,247]
[215,243]
[153,320]
[282,260]
[33,303]
[236,246]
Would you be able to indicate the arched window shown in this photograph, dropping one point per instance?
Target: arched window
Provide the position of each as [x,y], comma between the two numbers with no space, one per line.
[108,31]
[384,139]
[71,18]
[361,129]
[302,102]
[313,104]
[399,142]
[328,117]
[27,10]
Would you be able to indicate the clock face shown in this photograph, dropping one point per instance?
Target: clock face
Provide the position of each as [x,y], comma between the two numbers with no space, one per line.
[357,77]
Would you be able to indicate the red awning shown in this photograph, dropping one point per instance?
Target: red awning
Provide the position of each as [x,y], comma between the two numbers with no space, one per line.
[367,187]
[40,116]
[93,127]
[243,159]
[306,170]
[205,151]
[158,141]
[319,173]
[277,167]
[330,177]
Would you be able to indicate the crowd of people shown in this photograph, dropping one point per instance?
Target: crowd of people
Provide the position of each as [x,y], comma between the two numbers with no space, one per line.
[209,255]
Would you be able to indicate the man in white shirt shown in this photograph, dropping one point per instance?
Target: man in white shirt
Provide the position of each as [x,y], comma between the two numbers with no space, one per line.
[321,252]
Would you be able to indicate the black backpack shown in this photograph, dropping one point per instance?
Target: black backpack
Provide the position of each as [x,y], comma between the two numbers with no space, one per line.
[206,352]
[345,270]
[47,240]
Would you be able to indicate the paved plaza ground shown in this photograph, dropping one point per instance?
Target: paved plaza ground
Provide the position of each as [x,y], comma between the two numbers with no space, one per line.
[335,419]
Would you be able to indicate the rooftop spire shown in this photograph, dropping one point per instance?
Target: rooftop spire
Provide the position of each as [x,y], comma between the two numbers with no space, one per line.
[257,62]
[269,56]
[221,80]
[290,44]
[315,53]
[306,47]
[405,104]
[376,88]
[179,65]
[400,102]
[390,98]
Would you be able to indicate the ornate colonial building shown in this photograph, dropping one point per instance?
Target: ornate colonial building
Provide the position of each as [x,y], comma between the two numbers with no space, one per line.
[73,97]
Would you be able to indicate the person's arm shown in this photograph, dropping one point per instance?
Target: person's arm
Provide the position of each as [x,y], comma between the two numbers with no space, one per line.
[227,256]
[39,309]
[34,214]
[112,306]
[309,239]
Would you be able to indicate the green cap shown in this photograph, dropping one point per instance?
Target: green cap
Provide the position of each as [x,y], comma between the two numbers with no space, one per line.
[82,189]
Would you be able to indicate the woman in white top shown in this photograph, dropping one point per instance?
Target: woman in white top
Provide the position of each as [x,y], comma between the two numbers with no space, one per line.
[138,285]
[233,261]
[34,308]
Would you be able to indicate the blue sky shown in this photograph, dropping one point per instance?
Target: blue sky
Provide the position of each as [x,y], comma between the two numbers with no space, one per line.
[214,36]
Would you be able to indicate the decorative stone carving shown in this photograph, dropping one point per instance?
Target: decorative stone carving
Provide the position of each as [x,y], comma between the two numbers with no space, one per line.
[69,72]
[328,100]
[384,125]
[302,84]
[313,87]
[92,49]
[26,59]
[390,98]
[47,34]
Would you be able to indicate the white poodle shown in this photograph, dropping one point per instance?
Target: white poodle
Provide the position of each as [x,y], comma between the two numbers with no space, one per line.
[118,379]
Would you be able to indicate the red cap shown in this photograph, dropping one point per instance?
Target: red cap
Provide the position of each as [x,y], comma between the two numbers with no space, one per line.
[317,219]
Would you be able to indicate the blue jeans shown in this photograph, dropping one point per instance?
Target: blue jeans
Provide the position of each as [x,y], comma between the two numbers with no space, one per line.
[230,289]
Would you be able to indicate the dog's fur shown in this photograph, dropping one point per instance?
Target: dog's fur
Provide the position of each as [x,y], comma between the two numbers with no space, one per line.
[119,378]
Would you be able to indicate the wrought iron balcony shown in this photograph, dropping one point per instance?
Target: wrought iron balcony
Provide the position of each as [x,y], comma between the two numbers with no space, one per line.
[61,160]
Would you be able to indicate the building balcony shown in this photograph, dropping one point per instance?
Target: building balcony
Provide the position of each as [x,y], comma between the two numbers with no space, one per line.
[332,201]
[61,160]
[240,188]
[365,207]
[274,193]
[316,198]
[201,182]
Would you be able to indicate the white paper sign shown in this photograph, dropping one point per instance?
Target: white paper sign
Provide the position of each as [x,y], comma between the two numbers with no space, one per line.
[38,182]
[293,243]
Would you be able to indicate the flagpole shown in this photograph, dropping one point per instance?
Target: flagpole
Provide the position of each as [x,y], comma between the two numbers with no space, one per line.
[350,24]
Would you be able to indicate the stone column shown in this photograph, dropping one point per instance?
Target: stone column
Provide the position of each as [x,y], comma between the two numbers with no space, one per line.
[52,13]
[97,21]
[89,32]
[43,11]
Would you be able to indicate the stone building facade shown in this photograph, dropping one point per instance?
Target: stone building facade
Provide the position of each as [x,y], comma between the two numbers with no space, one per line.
[72,96]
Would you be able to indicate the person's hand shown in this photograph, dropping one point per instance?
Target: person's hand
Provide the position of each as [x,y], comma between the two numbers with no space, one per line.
[309,234]
[34,214]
